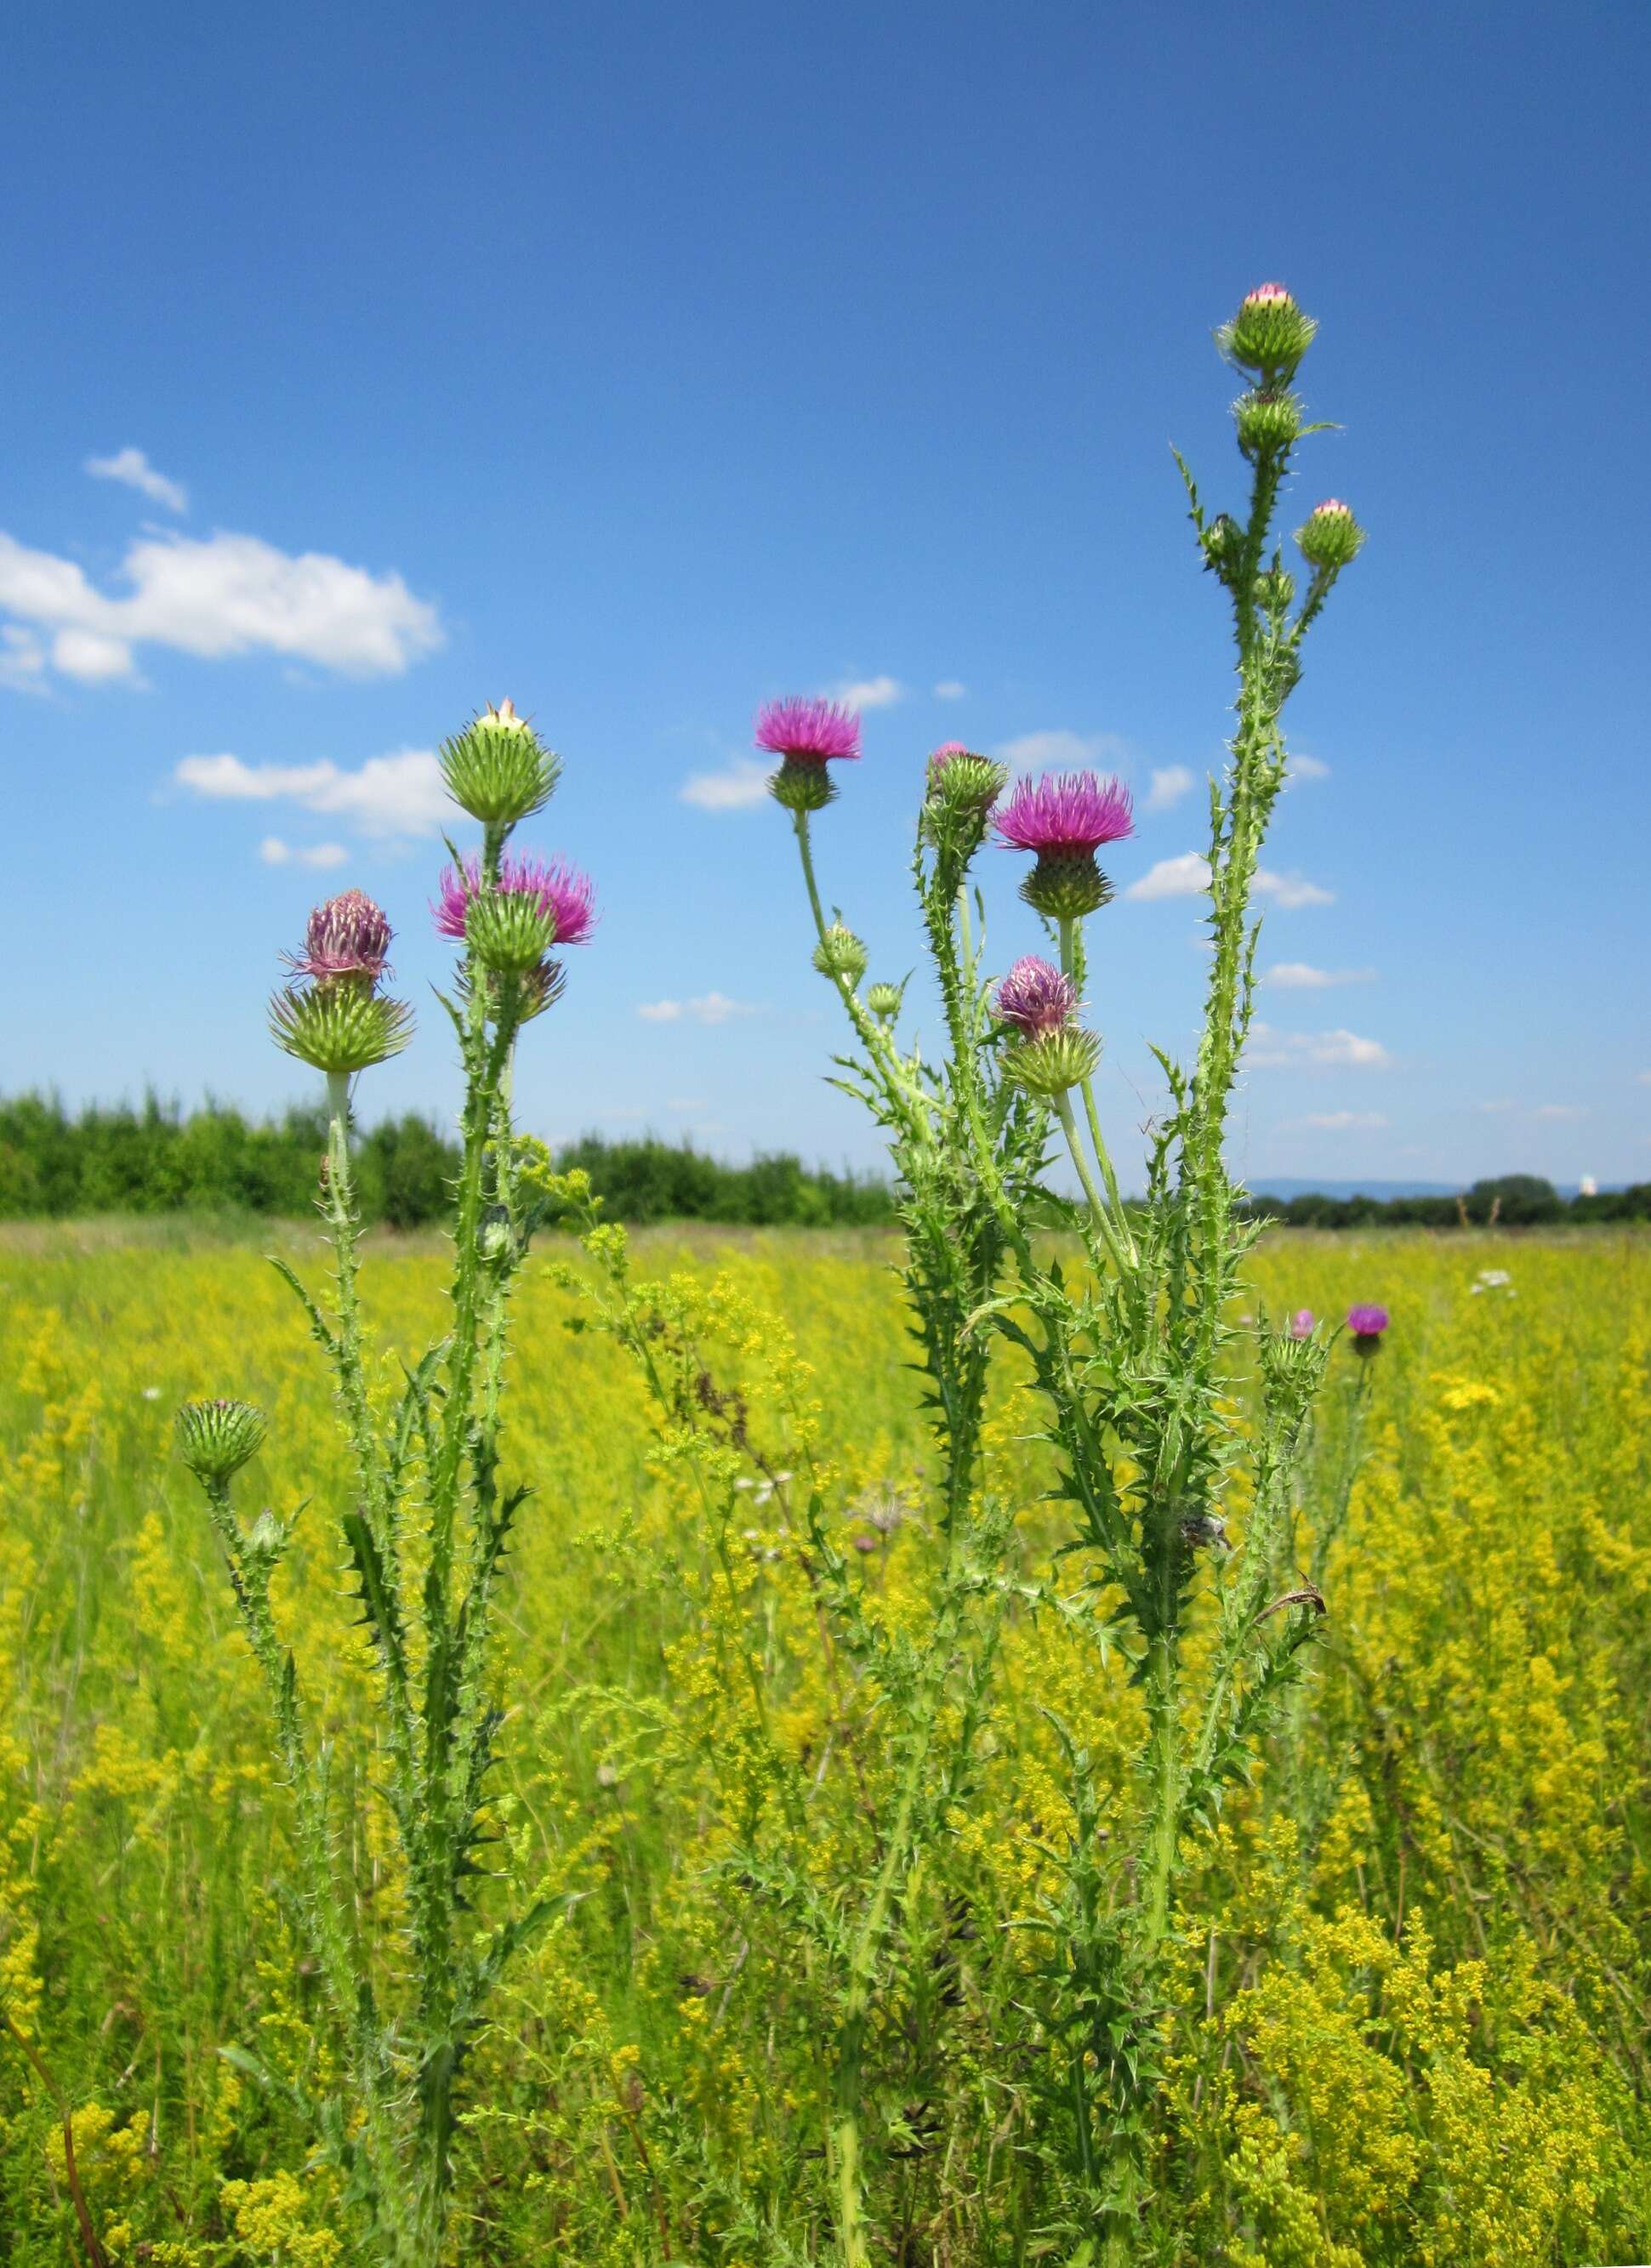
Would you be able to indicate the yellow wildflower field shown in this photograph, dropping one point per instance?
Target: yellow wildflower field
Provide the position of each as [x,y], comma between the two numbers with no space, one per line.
[1416,1950]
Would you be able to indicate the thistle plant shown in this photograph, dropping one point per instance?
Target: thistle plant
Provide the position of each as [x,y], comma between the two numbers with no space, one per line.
[427,1519]
[1136,1354]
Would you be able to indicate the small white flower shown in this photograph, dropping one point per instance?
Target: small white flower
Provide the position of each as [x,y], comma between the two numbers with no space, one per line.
[152,1394]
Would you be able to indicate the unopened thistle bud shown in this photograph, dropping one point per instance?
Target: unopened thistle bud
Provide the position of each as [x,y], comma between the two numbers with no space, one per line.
[1268,335]
[1330,536]
[509,931]
[884,1000]
[840,954]
[497,769]
[339,1026]
[1275,590]
[962,781]
[1047,1067]
[1266,422]
[216,1438]
[1223,541]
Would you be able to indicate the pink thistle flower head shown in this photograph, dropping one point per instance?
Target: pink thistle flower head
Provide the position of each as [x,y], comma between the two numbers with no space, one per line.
[1267,295]
[1367,1322]
[1065,815]
[943,755]
[809,732]
[559,890]
[348,936]
[1301,1323]
[1036,998]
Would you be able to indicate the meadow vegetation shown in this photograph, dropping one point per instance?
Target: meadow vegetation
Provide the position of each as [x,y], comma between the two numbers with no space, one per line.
[1415,1946]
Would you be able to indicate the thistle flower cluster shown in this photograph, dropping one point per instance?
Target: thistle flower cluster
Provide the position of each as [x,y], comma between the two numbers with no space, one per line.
[511,926]
[1052,1053]
[806,735]
[333,1016]
[1064,817]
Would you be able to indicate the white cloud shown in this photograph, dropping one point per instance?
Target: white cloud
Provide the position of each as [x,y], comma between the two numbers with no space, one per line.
[739,787]
[133,469]
[1291,890]
[22,658]
[1169,784]
[1339,1051]
[868,692]
[274,852]
[1173,878]
[1060,751]
[688,1103]
[223,594]
[1189,874]
[388,796]
[951,688]
[710,1008]
[1505,1103]
[1559,1110]
[1306,768]
[1302,976]
[1342,1122]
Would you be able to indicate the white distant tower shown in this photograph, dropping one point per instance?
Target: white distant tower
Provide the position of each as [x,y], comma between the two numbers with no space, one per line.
[1587,1187]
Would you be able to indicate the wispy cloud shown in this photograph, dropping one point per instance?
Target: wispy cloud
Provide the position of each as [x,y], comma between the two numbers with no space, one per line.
[741,785]
[1188,874]
[1271,1049]
[22,659]
[710,1008]
[1561,1110]
[1169,785]
[1302,976]
[1341,1122]
[1060,750]
[868,692]
[1182,876]
[223,594]
[1495,1109]
[951,688]
[1307,767]
[388,796]
[133,470]
[274,852]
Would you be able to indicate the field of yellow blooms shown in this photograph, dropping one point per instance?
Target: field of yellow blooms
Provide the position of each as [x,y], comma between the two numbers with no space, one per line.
[1417,1950]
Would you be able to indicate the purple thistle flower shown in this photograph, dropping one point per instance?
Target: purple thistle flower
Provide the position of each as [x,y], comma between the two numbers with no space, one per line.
[561,890]
[1065,813]
[1301,1323]
[1367,1322]
[1036,998]
[807,731]
[348,936]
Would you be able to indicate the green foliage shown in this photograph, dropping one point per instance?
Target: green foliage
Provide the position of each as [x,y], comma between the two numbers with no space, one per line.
[56,1166]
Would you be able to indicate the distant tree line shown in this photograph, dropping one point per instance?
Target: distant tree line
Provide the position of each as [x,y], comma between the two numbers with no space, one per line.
[158,1159]
[1509,1200]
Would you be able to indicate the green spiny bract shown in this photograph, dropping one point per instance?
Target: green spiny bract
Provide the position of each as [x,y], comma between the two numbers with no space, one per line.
[1054,1065]
[509,931]
[1067,887]
[884,1001]
[1330,536]
[840,954]
[216,1438]
[1268,335]
[499,769]
[339,1026]
[1266,423]
[801,785]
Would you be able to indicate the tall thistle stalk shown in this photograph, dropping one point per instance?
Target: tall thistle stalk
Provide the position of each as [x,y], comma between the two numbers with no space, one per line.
[428,1518]
[1135,1356]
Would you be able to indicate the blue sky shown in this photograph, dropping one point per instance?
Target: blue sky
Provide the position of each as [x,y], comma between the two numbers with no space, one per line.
[643,363]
